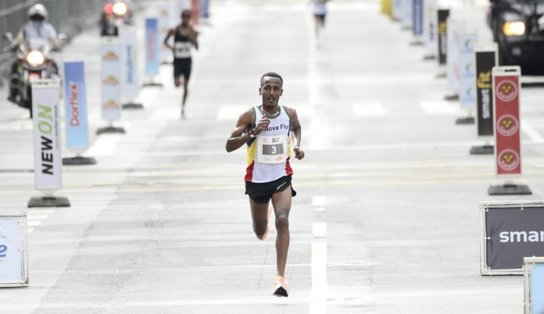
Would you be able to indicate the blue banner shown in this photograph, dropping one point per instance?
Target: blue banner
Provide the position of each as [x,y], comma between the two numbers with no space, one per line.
[417,17]
[151,46]
[537,288]
[75,102]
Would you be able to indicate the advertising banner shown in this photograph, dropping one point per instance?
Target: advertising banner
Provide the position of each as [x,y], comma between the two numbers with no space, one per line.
[506,90]
[452,61]
[429,27]
[152,52]
[417,18]
[13,251]
[442,35]
[47,147]
[397,9]
[467,68]
[111,52]
[75,104]
[486,59]
[510,232]
[131,84]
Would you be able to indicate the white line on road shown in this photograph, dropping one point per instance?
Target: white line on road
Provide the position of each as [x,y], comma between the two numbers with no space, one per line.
[532,132]
[319,229]
[319,278]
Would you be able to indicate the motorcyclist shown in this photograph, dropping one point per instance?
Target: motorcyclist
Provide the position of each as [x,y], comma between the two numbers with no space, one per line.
[35,30]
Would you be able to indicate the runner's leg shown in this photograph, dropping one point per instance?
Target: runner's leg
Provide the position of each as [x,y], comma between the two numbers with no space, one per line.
[282,205]
[259,216]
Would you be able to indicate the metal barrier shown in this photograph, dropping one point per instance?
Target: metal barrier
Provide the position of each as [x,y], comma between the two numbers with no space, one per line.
[533,285]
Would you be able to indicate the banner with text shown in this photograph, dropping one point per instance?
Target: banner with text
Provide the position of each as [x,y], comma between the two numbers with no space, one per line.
[506,90]
[442,35]
[111,52]
[47,147]
[13,251]
[417,18]
[131,84]
[75,104]
[486,59]
[152,46]
[510,232]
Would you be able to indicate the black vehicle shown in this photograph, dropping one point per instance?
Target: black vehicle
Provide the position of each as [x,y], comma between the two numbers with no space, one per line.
[518,29]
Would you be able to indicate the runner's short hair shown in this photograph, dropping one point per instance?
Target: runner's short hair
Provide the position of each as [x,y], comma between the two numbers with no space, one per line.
[272,74]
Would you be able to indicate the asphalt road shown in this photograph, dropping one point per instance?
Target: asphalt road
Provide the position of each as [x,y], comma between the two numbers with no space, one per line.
[386,219]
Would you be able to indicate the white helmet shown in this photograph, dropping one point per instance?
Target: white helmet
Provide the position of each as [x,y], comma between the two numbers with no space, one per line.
[38,9]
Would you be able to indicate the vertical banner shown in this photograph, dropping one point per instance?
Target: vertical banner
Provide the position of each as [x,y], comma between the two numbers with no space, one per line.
[13,251]
[151,46]
[486,59]
[467,67]
[407,14]
[111,52]
[417,18]
[75,104]
[453,57]
[195,11]
[47,149]
[397,10]
[506,89]
[130,80]
[429,27]
[442,35]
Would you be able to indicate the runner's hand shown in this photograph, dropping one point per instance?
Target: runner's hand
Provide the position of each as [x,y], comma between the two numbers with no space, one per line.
[299,153]
[262,125]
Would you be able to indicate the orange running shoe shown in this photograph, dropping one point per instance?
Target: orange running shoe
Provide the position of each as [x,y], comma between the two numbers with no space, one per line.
[279,288]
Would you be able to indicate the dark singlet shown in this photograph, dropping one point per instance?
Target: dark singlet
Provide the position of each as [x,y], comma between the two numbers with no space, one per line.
[182,45]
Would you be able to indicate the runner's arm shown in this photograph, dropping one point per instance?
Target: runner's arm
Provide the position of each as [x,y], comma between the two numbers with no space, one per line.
[165,41]
[297,131]
[239,137]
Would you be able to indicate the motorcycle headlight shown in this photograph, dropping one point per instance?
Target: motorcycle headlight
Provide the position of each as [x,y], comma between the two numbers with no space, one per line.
[35,58]
[514,28]
[119,8]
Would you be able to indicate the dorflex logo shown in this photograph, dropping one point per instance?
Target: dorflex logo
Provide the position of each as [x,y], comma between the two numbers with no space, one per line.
[45,127]
[110,56]
[506,90]
[508,160]
[507,125]
[3,252]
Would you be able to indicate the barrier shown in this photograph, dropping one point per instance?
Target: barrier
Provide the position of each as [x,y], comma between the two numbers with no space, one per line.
[130,81]
[13,250]
[510,231]
[467,75]
[533,287]
[111,52]
[506,94]
[486,59]
[47,151]
[75,108]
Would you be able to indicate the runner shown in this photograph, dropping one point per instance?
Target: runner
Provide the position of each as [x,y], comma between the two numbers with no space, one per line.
[270,132]
[185,37]
[320,12]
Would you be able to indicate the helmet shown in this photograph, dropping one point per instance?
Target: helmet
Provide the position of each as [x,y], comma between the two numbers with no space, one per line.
[37,10]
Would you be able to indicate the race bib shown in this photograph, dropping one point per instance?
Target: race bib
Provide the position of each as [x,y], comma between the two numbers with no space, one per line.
[272,149]
[182,50]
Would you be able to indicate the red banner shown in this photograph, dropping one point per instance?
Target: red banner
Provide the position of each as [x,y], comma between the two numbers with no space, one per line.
[506,89]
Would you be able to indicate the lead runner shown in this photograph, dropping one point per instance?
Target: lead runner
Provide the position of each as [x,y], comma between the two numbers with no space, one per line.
[272,134]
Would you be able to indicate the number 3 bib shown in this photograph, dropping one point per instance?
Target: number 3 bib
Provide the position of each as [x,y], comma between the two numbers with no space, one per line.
[272,149]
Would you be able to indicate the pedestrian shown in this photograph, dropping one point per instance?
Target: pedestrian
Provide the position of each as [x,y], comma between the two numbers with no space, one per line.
[185,38]
[272,134]
[319,9]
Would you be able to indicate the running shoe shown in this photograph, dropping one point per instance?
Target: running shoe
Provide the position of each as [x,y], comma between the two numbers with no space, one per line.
[279,288]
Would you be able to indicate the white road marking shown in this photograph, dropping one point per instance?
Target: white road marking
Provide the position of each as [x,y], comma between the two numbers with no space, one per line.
[440,108]
[104,145]
[319,278]
[318,200]
[532,132]
[370,109]
[319,229]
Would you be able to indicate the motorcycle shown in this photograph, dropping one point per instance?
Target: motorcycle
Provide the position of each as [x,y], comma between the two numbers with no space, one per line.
[33,62]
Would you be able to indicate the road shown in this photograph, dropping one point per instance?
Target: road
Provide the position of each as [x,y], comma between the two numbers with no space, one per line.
[386,219]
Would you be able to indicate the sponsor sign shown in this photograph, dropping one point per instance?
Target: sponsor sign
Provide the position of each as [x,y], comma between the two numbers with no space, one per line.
[111,55]
[130,70]
[417,18]
[533,284]
[442,35]
[467,69]
[397,9]
[13,251]
[486,59]
[152,46]
[510,232]
[47,147]
[75,104]
[429,25]
[506,89]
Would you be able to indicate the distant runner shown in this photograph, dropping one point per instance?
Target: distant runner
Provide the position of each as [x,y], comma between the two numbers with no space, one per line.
[272,134]
[319,9]
[185,37]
